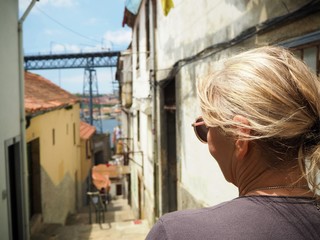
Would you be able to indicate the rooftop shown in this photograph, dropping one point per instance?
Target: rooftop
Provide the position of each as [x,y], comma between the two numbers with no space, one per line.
[43,95]
[86,130]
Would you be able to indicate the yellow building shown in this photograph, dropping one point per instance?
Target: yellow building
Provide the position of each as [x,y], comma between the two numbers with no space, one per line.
[53,147]
[87,159]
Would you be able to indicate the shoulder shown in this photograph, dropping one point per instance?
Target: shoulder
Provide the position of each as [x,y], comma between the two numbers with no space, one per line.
[240,218]
[225,210]
[187,224]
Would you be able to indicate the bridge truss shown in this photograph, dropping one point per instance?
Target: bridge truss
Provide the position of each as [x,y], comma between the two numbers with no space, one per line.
[71,60]
[87,61]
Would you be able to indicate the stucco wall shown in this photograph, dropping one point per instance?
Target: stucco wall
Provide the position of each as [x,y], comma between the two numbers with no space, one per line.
[184,33]
[136,173]
[191,27]
[200,175]
[86,165]
[86,162]
[60,162]
[9,96]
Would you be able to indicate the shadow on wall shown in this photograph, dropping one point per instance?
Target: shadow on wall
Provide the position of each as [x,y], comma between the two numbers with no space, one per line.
[57,200]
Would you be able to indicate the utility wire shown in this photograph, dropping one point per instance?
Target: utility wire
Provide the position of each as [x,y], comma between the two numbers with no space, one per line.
[67,28]
[311,7]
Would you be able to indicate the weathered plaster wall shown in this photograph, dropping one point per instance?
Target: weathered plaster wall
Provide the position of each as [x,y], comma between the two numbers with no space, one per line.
[60,161]
[9,97]
[185,32]
[191,27]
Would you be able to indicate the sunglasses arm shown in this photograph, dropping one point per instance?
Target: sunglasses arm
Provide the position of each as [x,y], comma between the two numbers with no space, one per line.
[196,124]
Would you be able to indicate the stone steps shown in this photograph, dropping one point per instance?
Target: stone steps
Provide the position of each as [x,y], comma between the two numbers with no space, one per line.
[119,224]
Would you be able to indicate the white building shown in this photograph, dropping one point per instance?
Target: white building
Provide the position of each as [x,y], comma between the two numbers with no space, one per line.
[171,169]
[14,222]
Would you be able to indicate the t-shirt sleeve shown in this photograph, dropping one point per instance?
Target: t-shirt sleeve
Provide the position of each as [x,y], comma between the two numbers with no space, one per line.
[157,232]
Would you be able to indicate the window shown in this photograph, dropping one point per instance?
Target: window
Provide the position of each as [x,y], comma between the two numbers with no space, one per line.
[147,12]
[150,137]
[53,137]
[88,149]
[138,126]
[137,47]
[310,55]
[74,134]
[306,47]
[154,13]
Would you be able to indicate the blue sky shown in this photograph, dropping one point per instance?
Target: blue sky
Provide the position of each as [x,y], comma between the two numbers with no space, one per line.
[60,26]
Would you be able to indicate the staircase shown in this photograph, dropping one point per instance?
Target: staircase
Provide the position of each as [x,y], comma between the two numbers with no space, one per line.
[119,224]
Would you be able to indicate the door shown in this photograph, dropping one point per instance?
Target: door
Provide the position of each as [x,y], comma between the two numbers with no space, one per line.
[33,150]
[15,189]
[170,168]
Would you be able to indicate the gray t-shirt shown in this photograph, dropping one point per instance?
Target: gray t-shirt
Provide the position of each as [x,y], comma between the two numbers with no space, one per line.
[251,217]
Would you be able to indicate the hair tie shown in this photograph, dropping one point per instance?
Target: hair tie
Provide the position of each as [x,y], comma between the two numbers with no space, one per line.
[312,138]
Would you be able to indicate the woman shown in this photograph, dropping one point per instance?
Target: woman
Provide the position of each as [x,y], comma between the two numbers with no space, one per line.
[260,118]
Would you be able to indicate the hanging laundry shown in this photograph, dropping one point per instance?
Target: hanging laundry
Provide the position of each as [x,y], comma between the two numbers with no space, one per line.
[166,6]
[133,6]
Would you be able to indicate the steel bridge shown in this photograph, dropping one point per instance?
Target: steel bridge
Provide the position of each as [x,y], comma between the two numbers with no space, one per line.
[71,60]
[88,61]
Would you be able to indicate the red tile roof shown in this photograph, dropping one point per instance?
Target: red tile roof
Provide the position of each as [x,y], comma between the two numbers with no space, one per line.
[43,95]
[86,130]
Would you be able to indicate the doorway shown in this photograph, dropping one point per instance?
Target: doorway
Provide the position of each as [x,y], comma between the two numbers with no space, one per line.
[170,168]
[33,151]
[15,188]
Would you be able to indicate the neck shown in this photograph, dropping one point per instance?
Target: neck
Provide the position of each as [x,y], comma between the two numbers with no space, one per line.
[256,178]
[301,191]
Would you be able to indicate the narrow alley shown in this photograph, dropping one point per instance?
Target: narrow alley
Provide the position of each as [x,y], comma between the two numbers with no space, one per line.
[119,224]
[102,98]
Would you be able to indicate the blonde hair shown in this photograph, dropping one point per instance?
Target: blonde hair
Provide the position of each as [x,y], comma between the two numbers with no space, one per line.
[278,95]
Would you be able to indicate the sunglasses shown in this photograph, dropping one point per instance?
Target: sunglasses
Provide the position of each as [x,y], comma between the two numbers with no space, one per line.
[200,129]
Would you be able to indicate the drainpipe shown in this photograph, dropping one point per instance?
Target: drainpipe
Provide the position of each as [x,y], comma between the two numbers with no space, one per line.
[24,165]
[154,114]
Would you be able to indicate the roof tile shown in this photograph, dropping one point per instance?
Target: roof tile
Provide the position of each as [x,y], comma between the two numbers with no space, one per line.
[43,95]
[86,130]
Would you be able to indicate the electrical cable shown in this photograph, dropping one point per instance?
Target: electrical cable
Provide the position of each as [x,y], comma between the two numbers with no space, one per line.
[67,28]
[307,9]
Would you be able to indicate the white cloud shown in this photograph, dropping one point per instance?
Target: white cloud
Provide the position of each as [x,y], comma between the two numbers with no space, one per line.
[96,48]
[118,37]
[74,48]
[65,48]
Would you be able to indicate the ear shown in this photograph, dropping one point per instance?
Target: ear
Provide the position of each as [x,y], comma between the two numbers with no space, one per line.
[241,145]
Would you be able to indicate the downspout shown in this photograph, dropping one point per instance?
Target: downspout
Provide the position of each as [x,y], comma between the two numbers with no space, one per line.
[154,114]
[24,164]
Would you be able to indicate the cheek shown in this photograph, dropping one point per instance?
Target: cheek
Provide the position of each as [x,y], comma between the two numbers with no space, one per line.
[222,149]
[213,142]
